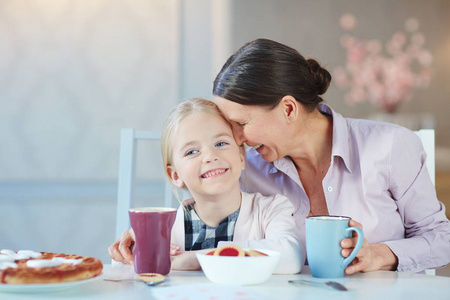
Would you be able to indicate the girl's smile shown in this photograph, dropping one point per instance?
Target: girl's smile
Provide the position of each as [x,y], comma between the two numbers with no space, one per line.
[213,173]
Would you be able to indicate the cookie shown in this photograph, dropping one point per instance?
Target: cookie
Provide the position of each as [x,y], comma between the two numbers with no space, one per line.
[229,250]
[149,277]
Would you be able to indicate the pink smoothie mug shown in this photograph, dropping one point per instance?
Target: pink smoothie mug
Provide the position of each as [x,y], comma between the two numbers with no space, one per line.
[152,228]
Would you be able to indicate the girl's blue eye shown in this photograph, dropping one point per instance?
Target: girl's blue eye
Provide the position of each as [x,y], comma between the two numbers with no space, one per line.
[191,152]
[220,144]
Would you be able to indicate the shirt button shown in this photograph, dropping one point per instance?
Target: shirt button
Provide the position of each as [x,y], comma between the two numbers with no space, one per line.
[330,189]
[273,170]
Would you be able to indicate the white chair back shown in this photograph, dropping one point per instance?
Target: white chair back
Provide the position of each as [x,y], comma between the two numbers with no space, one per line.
[427,137]
[127,162]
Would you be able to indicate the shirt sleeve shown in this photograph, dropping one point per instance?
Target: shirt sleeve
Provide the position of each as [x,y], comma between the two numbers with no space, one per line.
[177,235]
[427,229]
[280,234]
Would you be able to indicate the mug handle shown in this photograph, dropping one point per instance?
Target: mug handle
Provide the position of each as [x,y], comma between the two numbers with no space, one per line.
[358,246]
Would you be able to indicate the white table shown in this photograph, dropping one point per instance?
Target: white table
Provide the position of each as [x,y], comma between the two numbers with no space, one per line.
[374,285]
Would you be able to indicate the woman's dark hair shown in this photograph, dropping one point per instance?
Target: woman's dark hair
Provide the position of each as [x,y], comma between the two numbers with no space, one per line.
[262,72]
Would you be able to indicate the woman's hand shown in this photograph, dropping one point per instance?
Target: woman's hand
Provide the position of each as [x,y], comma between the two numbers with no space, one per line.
[122,249]
[184,260]
[371,257]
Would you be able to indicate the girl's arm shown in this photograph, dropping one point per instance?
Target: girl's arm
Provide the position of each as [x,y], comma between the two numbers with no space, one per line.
[185,261]
[271,225]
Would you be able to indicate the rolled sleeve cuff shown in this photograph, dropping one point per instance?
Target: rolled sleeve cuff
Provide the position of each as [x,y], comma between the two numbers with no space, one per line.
[409,262]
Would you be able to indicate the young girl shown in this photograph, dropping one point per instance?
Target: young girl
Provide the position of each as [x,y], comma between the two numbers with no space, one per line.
[201,155]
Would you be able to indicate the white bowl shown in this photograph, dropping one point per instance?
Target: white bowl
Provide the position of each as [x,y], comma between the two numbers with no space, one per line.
[239,270]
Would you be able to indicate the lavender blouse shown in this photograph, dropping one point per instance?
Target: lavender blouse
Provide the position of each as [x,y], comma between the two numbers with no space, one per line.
[378,177]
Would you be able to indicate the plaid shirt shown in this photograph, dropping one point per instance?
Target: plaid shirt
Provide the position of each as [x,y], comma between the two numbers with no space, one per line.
[199,236]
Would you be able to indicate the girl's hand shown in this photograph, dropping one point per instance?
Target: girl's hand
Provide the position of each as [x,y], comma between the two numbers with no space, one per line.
[174,249]
[122,249]
[371,257]
[185,261]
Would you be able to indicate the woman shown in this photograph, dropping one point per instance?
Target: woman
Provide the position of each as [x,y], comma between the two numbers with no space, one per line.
[326,164]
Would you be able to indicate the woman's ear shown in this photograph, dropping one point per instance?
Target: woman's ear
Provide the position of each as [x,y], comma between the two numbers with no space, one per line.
[289,107]
[173,176]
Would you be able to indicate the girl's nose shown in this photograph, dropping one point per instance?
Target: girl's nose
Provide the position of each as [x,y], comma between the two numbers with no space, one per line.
[209,155]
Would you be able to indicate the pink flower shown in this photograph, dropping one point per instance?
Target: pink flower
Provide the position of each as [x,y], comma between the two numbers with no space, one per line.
[348,22]
[373,47]
[418,39]
[385,80]
[341,78]
[425,58]
[411,25]
[356,52]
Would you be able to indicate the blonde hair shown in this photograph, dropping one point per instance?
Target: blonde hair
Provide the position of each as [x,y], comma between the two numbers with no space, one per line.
[175,118]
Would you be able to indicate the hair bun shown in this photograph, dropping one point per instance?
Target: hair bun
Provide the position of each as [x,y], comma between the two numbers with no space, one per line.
[321,76]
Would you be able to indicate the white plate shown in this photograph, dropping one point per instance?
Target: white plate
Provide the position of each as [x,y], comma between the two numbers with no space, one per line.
[43,287]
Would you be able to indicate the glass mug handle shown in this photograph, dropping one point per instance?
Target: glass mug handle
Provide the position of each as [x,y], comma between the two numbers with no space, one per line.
[358,246]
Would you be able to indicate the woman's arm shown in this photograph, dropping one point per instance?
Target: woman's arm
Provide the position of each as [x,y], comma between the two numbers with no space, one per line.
[427,229]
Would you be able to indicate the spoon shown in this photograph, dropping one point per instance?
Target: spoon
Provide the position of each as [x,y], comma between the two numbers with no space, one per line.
[332,284]
[118,279]
[152,283]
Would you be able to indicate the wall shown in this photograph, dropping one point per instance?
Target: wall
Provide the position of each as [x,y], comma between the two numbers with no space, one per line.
[72,74]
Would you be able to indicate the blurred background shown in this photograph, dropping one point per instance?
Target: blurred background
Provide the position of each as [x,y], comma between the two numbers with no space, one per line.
[73,73]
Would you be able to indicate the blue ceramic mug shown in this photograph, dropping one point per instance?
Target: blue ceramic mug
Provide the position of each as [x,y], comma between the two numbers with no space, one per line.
[323,245]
